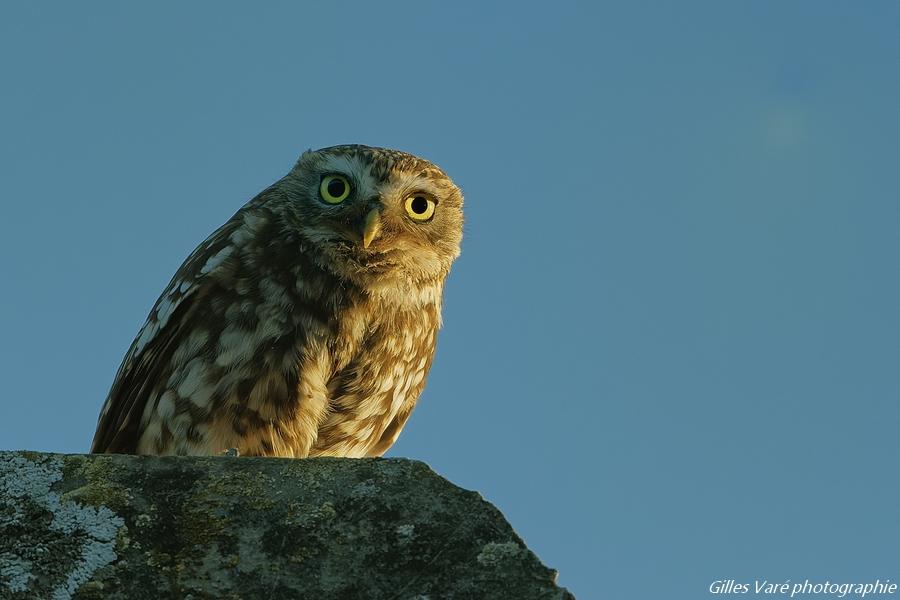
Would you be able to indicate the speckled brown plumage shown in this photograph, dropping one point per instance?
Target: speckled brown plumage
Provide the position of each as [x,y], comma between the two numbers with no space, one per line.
[300,327]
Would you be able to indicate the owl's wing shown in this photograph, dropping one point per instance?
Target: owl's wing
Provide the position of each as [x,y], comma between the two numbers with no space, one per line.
[149,358]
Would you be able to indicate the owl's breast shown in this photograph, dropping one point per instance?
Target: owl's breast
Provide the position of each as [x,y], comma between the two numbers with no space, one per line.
[382,361]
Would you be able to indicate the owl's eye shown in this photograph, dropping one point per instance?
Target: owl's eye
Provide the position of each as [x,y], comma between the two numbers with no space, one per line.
[419,208]
[334,189]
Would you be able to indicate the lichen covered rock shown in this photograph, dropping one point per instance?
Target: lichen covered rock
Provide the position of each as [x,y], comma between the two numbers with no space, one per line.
[106,526]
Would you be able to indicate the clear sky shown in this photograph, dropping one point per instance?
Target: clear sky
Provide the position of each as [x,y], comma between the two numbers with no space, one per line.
[671,348]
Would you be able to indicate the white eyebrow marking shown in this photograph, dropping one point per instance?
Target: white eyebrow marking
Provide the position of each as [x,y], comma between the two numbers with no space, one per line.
[356,168]
[403,183]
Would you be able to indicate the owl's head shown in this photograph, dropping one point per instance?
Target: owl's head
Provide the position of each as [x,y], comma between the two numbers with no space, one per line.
[376,216]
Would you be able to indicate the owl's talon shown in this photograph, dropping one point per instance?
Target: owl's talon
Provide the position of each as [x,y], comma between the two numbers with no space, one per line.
[231,452]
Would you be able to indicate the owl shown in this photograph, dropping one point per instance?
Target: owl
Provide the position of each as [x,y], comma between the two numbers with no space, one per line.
[305,325]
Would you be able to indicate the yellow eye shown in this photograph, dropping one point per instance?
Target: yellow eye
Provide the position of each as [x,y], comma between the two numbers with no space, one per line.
[419,208]
[334,189]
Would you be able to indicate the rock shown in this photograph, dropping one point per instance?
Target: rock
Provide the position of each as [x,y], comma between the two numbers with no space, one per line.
[114,526]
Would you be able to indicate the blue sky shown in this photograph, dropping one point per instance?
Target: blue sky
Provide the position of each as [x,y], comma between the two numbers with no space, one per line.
[670,351]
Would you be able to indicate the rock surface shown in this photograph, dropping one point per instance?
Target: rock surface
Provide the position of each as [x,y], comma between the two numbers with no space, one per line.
[83,526]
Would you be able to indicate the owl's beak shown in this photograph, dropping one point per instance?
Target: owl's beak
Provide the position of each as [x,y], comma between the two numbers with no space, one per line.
[371,227]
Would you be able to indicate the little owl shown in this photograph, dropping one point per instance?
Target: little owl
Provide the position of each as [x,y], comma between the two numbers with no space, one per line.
[305,325]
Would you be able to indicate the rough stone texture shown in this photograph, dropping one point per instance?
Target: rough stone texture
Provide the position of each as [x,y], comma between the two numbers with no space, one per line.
[82,526]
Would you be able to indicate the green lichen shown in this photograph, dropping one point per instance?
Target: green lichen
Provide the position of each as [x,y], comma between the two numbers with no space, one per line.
[99,483]
[248,487]
[494,554]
